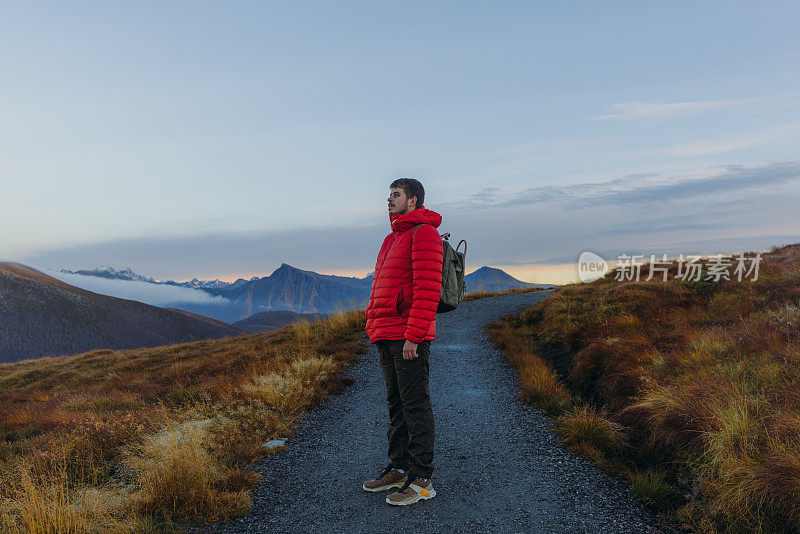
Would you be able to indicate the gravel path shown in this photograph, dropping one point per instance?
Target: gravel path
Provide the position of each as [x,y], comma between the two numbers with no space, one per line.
[497,467]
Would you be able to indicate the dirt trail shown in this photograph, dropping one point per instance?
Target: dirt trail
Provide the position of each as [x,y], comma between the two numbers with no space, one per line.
[497,467]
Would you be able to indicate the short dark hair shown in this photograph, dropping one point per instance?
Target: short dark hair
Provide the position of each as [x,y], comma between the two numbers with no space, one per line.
[412,188]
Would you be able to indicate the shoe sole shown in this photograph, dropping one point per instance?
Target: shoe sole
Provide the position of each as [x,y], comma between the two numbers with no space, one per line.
[419,497]
[383,488]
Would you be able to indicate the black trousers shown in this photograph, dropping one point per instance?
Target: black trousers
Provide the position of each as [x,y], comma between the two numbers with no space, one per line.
[410,430]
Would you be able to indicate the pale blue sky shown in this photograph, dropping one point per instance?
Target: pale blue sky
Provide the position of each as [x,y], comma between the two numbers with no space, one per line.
[205,139]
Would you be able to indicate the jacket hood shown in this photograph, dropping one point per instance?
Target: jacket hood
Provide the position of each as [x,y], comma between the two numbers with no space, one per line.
[401,223]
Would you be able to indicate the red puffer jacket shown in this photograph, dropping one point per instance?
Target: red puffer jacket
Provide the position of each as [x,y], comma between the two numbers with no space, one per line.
[407,281]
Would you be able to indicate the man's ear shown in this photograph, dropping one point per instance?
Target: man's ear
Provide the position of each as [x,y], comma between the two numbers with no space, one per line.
[415,201]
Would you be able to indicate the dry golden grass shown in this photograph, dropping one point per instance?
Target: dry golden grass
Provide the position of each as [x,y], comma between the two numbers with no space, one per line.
[585,427]
[178,476]
[539,383]
[484,294]
[144,440]
[46,507]
[701,379]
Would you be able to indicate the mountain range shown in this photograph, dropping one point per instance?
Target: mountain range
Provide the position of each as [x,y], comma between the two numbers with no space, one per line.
[296,290]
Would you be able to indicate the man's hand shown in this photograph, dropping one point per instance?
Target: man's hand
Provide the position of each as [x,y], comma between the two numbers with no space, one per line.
[409,350]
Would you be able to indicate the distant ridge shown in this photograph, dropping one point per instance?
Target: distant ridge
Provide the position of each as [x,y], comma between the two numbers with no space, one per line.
[492,279]
[273,320]
[42,316]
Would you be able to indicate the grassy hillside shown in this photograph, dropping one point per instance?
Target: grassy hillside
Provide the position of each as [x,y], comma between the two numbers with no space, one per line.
[690,389]
[275,319]
[143,440]
[43,316]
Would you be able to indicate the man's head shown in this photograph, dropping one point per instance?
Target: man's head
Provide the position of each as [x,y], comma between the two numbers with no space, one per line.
[405,195]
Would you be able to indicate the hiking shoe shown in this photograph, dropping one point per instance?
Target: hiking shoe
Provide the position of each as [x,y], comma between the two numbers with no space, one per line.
[390,478]
[413,490]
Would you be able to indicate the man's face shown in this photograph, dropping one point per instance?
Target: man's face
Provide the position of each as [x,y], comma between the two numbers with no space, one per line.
[399,203]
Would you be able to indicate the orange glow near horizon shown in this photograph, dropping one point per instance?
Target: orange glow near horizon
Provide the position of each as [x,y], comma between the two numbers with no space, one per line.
[542,273]
[536,273]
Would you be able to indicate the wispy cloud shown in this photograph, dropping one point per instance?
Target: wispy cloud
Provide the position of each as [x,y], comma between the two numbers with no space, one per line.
[734,178]
[487,194]
[704,147]
[647,227]
[637,189]
[636,110]
[716,245]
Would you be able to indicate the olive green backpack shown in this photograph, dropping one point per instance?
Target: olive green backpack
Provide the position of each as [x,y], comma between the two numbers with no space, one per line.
[453,286]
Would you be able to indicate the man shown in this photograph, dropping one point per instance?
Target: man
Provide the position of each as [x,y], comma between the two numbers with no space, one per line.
[401,320]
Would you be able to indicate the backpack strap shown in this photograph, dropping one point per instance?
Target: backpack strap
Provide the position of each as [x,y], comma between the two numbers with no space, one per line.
[465,247]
